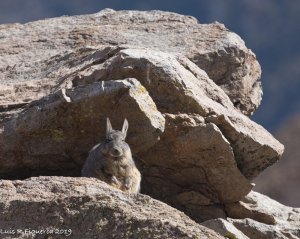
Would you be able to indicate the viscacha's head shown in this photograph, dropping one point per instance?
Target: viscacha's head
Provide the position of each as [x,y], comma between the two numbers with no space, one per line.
[114,145]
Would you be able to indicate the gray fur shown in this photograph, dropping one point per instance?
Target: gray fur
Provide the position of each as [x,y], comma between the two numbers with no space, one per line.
[111,161]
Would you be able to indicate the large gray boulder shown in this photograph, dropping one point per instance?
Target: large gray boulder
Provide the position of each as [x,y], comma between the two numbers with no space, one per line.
[55,133]
[35,52]
[178,85]
[258,217]
[224,228]
[65,207]
[193,146]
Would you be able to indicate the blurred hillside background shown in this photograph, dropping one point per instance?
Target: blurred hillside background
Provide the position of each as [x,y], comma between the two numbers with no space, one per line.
[271,28]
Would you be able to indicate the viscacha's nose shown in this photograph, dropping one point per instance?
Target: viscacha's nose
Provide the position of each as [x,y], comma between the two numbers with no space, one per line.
[116,152]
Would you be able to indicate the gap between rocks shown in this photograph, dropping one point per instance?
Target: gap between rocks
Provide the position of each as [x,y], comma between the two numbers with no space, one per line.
[169,102]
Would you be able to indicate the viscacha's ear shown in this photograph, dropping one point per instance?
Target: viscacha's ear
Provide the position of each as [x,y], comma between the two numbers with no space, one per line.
[109,128]
[125,127]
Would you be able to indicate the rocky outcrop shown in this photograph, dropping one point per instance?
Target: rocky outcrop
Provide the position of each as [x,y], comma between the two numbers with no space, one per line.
[194,147]
[221,53]
[258,217]
[177,85]
[54,134]
[225,228]
[185,97]
[62,207]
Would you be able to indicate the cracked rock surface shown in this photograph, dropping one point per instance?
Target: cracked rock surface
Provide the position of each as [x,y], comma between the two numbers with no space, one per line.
[258,217]
[53,135]
[36,51]
[186,134]
[186,97]
[90,209]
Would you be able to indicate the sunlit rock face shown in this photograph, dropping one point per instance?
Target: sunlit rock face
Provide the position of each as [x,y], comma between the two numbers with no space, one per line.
[186,89]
